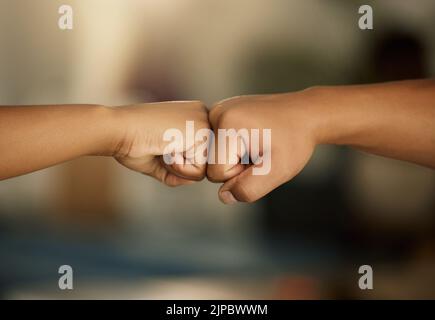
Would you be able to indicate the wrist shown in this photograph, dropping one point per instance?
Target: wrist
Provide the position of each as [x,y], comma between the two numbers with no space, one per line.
[130,128]
[109,129]
[332,117]
[309,111]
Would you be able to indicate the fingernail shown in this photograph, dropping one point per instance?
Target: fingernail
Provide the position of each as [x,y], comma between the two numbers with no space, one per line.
[228,198]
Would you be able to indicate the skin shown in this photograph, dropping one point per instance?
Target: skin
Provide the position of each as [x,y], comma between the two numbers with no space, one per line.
[395,120]
[36,137]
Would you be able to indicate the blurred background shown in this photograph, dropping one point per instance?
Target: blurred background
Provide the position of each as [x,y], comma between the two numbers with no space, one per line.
[127,236]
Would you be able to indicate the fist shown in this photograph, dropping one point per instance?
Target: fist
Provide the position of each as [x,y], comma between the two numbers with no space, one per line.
[142,146]
[269,161]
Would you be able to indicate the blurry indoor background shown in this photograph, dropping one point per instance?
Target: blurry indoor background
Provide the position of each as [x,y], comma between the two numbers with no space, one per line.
[127,236]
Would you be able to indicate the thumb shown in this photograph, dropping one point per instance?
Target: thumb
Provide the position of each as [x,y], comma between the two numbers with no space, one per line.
[248,187]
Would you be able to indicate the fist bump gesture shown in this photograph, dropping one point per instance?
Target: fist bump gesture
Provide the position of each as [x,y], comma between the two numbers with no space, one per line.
[250,144]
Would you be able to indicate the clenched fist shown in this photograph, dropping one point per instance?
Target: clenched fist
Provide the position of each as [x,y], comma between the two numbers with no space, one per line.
[141,145]
[271,137]
[36,137]
[289,148]
[395,120]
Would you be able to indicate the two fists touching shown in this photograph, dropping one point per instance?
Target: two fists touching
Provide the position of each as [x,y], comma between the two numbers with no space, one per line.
[394,119]
[275,134]
[288,147]
[36,137]
[142,147]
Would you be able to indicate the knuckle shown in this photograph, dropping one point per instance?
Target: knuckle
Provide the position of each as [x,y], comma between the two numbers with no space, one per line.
[214,174]
[215,110]
[198,176]
[226,118]
[198,104]
[228,111]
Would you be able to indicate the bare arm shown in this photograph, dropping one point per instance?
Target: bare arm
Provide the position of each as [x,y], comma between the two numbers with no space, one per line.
[36,137]
[394,119]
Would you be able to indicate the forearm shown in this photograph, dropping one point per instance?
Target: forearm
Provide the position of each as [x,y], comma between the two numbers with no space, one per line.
[395,119]
[36,137]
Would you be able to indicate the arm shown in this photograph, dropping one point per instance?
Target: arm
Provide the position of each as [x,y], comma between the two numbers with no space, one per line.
[36,137]
[395,120]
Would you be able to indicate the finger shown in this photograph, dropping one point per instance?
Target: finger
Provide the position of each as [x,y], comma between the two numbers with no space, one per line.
[174,181]
[226,152]
[161,173]
[185,166]
[248,187]
[187,170]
